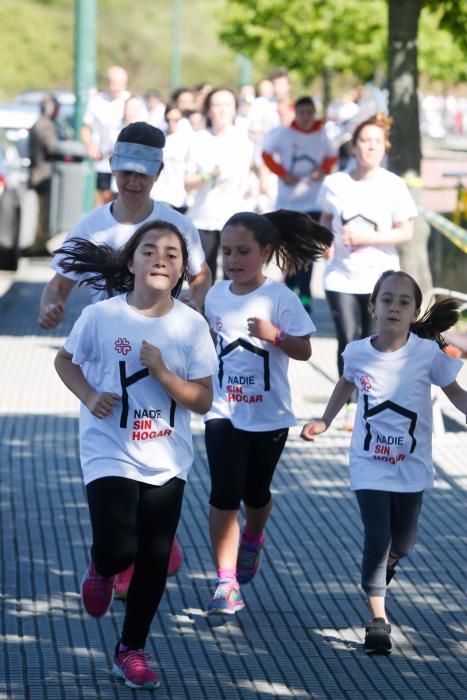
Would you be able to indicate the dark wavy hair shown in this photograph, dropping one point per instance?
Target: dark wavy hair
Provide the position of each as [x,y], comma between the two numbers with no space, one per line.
[107,268]
[437,318]
[296,238]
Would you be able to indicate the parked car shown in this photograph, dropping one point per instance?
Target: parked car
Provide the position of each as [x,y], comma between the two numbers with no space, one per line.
[18,205]
[16,121]
[66,98]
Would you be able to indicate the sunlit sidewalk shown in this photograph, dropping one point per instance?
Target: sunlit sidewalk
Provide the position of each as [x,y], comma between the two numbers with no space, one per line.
[300,634]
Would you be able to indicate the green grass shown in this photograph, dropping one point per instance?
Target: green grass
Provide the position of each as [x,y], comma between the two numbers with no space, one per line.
[37,44]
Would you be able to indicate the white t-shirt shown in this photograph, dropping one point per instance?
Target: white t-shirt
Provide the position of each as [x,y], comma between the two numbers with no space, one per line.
[251,388]
[219,198]
[391,439]
[299,153]
[104,116]
[147,436]
[378,202]
[99,226]
[170,185]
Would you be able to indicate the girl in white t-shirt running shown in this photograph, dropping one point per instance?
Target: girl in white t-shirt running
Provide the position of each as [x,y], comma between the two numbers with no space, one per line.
[370,211]
[139,362]
[390,453]
[258,324]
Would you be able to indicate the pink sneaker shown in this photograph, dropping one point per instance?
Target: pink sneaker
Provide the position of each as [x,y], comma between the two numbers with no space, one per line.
[227,598]
[132,667]
[122,583]
[248,560]
[97,592]
[176,558]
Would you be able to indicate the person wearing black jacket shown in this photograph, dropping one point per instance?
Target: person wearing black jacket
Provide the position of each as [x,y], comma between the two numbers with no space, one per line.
[43,141]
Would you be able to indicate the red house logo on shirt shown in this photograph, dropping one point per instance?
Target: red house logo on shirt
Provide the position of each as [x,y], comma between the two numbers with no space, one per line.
[365,383]
[122,345]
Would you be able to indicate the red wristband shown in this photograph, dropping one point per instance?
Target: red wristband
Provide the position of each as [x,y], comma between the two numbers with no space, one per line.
[280,336]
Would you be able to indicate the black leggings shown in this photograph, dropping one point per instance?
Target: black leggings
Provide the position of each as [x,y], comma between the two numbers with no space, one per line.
[135,522]
[390,525]
[241,463]
[301,280]
[352,320]
[210,240]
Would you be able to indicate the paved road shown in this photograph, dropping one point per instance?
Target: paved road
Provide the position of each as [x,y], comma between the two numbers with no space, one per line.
[300,635]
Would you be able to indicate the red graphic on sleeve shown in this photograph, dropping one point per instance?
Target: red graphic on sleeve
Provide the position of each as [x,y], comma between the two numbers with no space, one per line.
[122,345]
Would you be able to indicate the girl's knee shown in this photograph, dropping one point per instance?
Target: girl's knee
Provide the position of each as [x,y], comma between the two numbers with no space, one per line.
[377,544]
[257,501]
[224,500]
[111,560]
[401,551]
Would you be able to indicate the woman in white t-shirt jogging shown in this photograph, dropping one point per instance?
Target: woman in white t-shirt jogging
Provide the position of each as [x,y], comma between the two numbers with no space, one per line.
[139,362]
[217,176]
[390,453]
[258,324]
[370,211]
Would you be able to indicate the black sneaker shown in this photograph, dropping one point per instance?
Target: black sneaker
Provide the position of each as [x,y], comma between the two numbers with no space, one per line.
[390,573]
[378,637]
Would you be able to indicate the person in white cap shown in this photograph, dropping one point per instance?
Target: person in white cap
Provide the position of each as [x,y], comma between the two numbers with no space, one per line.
[137,161]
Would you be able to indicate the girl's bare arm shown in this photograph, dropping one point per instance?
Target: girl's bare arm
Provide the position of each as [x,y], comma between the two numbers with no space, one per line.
[296,347]
[341,394]
[194,394]
[457,396]
[99,403]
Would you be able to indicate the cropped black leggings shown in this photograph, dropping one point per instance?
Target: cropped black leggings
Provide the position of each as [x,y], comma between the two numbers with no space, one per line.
[241,463]
[135,522]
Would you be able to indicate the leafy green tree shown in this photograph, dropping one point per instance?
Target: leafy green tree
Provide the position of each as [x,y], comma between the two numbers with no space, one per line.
[345,36]
[439,57]
[348,37]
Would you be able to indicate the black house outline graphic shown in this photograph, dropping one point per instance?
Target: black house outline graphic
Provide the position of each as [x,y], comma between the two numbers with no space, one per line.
[297,158]
[364,218]
[391,406]
[132,379]
[240,342]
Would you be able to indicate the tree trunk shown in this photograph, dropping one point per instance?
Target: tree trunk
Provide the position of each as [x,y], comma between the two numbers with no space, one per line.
[327,80]
[405,154]
[414,254]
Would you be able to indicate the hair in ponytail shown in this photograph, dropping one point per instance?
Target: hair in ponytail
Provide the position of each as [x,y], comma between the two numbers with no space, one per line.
[437,318]
[106,269]
[440,316]
[296,238]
